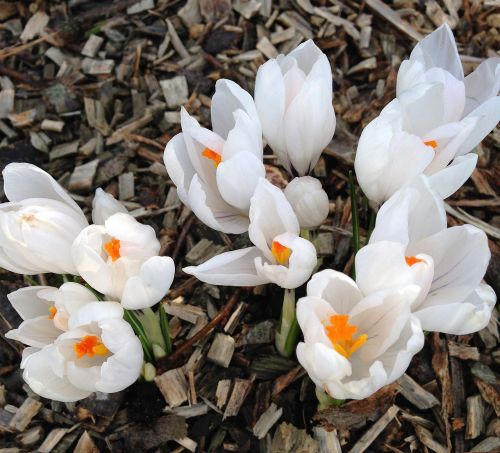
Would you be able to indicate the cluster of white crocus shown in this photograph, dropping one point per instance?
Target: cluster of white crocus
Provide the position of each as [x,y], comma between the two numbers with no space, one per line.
[436,120]
[77,344]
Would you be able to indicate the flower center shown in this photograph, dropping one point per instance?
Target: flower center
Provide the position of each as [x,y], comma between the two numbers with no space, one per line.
[90,345]
[432,143]
[214,156]
[411,260]
[112,248]
[341,334]
[280,252]
[52,312]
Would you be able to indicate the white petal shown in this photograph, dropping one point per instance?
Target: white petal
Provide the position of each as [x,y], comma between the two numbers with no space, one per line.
[270,215]
[228,98]
[213,211]
[312,312]
[178,165]
[95,312]
[439,50]
[309,201]
[270,103]
[104,205]
[448,180]
[27,302]
[41,378]
[410,214]
[235,268]
[153,282]
[482,84]
[38,332]
[339,290]
[23,180]
[488,115]
[306,55]
[310,119]
[460,318]
[461,257]
[237,179]
[301,263]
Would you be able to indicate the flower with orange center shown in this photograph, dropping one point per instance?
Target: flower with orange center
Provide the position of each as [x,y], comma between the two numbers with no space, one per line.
[281,253]
[214,156]
[411,260]
[432,143]
[90,345]
[112,248]
[341,334]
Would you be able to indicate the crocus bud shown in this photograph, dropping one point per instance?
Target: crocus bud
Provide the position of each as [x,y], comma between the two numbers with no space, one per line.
[308,200]
[38,224]
[293,96]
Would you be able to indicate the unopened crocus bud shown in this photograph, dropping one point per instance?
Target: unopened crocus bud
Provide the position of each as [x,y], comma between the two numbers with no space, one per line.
[308,200]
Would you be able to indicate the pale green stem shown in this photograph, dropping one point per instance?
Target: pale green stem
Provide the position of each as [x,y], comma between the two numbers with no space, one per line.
[287,331]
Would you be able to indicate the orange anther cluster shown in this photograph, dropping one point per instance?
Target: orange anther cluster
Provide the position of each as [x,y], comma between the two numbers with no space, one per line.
[214,156]
[341,334]
[411,260]
[432,143]
[52,312]
[112,248]
[280,252]
[90,345]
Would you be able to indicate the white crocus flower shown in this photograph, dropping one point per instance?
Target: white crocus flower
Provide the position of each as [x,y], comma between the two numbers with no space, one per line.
[438,118]
[411,245]
[309,201]
[120,259]
[356,343]
[216,172]
[104,205]
[99,352]
[279,256]
[293,95]
[45,311]
[38,224]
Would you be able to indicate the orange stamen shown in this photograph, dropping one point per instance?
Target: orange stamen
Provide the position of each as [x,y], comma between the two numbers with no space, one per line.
[90,345]
[52,312]
[411,260]
[432,143]
[112,248]
[341,334]
[280,252]
[213,156]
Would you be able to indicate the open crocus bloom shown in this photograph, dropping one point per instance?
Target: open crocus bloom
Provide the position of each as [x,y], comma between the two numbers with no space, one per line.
[216,172]
[45,311]
[411,245]
[309,201]
[99,352]
[293,95]
[120,259]
[354,344]
[438,117]
[280,255]
[38,224]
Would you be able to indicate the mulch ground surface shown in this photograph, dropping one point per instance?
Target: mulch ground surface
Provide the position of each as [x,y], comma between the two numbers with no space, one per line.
[91,90]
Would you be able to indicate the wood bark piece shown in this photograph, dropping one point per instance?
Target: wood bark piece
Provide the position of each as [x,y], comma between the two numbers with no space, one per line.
[328,440]
[288,438]
[425,436]
[50,442]
[83,176]
[240,391]
[367,439]
[173,386]
[52,125]
[222,392]
[6,97]
[35,26]
[25,414]
[475,417]
[415,394]
[85,444]
[126,186]
[463,351]
[393,17]
[266,421]
[222,350]
[92,46]
[175,91]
